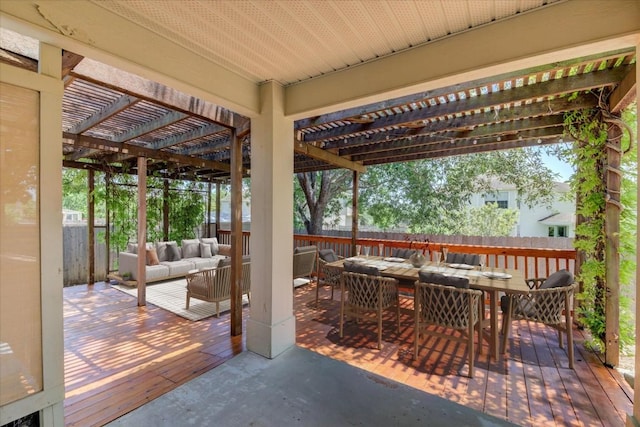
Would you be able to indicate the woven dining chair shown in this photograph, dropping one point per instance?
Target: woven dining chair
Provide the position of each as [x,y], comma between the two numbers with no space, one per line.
[329,276]
[549,302]
[446,301]
[364,294]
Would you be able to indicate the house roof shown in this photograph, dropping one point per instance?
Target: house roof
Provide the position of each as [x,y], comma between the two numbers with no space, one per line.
[111,116]
[565,218]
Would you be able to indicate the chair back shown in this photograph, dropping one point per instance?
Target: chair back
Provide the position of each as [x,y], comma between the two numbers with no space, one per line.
[457,258]
[448,306]
[545,305]
[304,261]
[402,253]
[369,292]
[212,283]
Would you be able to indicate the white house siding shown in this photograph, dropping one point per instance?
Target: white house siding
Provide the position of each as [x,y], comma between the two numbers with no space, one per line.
[529,224]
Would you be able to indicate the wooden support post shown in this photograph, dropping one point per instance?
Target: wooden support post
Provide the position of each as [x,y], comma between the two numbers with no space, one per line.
[165,210]
[91,222]
[142,231]
[236,234]
[354,212]
[107,232]
[612,246]
[208,222]
[217,208]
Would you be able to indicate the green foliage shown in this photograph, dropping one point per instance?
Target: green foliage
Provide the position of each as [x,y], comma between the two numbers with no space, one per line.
[431,196]
[588,154]
[186,205]
[488,220]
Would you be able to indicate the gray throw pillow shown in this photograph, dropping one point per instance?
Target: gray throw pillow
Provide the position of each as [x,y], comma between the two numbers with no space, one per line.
[328,255]
[163,251]
[558,279]
[173,252]
[225,262]
[355,267]
[205,250]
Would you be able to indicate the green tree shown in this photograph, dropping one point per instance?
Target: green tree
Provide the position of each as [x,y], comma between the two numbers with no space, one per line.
[488,220]
[429,196]
[318,195]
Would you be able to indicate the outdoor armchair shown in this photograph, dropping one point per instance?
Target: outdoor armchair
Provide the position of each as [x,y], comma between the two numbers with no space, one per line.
[446,301]
[366,294]
[329,276]
[548,302]
[304,262]
[214,285]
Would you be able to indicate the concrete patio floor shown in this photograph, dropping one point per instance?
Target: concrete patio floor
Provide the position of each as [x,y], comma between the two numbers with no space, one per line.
[299,388]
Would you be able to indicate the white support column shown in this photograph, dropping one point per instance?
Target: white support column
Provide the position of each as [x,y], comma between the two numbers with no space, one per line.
[271,325]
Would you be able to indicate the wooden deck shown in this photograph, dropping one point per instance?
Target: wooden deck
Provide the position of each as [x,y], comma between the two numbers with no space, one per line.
[119,356]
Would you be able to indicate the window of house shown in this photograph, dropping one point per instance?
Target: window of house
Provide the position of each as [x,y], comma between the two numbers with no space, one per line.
[500,198]
[552,231]
[562,231]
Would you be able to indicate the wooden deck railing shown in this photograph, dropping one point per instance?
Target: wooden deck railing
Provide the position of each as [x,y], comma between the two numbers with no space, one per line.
[533,262]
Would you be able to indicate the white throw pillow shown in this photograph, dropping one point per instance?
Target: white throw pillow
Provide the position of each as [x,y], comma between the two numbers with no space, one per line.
[213,242]
[205,250]
[190,248]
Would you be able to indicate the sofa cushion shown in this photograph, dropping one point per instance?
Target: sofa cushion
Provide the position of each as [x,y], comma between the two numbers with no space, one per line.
[204,263]
[178,268]
[156,272]
[190,248]
[213,242]
[152,257]
[205,250]
[162,248]
[173,252]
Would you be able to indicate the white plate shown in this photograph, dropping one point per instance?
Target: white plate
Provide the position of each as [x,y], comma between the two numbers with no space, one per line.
[495,275]
[462,266]
[393,259]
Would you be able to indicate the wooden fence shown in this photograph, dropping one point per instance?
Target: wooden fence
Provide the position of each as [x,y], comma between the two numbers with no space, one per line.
[533,262]
[75,250]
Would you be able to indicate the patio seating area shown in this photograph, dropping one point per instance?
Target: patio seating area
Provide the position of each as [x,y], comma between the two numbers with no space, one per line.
[109,375]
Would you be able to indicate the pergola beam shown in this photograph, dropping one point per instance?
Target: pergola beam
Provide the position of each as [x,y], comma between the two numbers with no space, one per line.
[106,76]
[625,93]
[134,150]
[555,106]
[444,91]
[327,156]
[556,87]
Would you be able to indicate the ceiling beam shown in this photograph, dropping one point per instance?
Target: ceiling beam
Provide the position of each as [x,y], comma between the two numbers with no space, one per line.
[625,93]
[554,88]
[326,156]
[563,30]
[125,148]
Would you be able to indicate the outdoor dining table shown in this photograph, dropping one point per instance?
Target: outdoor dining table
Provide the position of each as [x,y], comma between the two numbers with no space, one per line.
[493,281]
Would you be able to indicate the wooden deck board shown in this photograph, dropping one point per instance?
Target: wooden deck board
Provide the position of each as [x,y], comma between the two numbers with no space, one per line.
[119,356]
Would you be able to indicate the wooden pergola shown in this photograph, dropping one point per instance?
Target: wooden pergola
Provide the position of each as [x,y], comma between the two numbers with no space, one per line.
[115,121]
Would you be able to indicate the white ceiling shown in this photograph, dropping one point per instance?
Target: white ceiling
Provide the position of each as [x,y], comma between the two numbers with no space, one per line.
[293,40]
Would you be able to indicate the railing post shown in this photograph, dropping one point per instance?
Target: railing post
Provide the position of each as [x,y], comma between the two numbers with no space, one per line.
[354,212]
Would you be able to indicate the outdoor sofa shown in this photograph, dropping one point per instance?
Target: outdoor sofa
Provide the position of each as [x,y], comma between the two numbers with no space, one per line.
[167,260]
